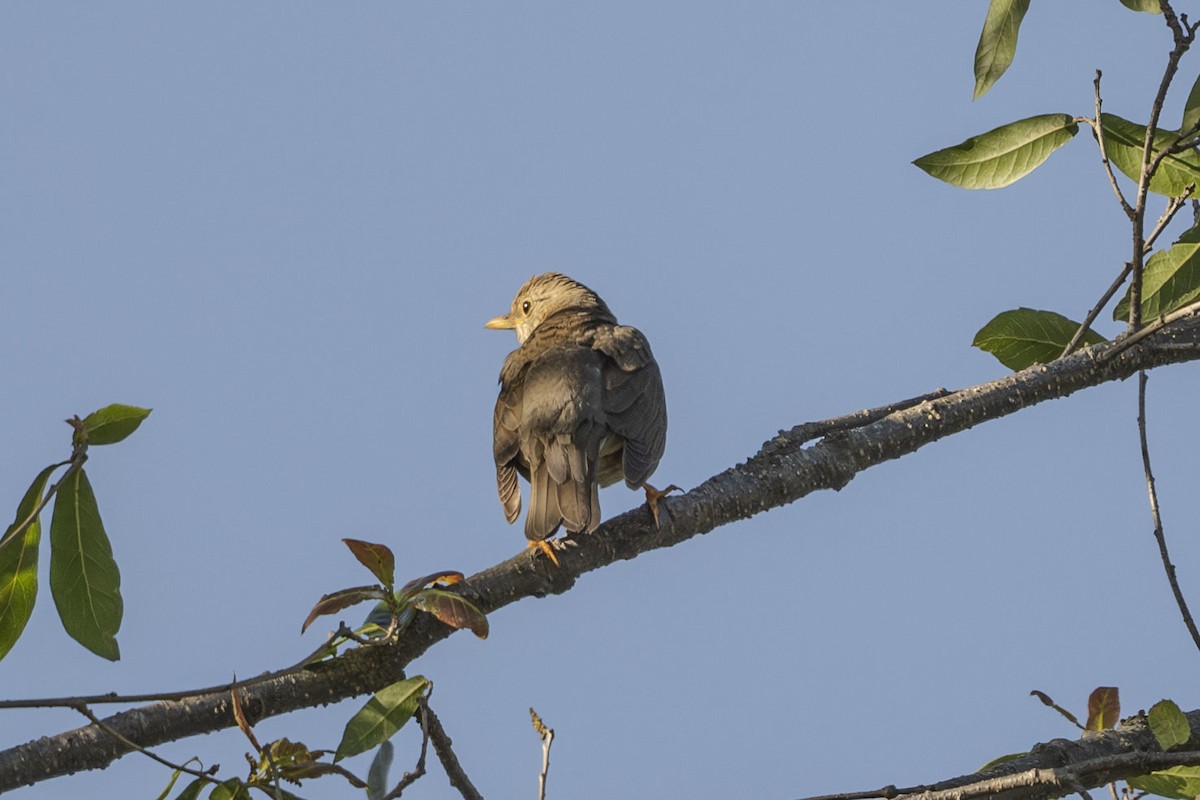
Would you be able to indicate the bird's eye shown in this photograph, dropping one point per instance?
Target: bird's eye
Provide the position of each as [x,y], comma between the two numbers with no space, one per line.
[525,307]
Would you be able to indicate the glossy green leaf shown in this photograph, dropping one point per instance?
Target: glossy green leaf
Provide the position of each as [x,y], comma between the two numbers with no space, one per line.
[377,558]
[84,578]
[1170,279]
[1104,708]
[997,42]
[1148,6]
[18,565]
[1191,109]
[382,716]
[377,776]
[1024,336]
[1179,782]
[113,423]
[1123,142]
[1001,156]
[1168,724]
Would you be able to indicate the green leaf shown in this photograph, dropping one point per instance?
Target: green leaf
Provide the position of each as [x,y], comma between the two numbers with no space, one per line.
[1024,336]
[113,423]
[1170,279]
[382,716]
[1123,142]
[1180,782]
[1001,156]
[377,558]
[1191,109]
[997,42]
[377,776]
[18,565]
[84,578]
[1168,724]
[192,790]
[1104,708]
[452,609]
[232,789]
[1149,6]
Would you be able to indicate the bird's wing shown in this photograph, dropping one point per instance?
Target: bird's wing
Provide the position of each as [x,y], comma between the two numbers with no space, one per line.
[506,442]
[561,427]
[634,401]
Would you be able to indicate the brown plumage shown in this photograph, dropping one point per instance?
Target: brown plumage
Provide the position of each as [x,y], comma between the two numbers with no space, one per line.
[581,405]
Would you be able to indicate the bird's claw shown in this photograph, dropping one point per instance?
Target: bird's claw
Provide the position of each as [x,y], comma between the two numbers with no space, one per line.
[547,548]
[654,495]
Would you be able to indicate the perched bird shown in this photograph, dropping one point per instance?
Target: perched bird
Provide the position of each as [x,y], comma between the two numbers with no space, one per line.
[581,405]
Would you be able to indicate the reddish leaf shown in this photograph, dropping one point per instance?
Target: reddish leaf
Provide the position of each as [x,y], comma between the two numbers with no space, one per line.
[1045,698]
[1104,708]
[336,601]
[375,557]
[452,609]
[412,587]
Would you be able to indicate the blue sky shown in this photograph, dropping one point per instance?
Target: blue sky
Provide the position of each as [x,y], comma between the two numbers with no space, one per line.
[282,226]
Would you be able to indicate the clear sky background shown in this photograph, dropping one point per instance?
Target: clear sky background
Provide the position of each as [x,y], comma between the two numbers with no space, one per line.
[283,225]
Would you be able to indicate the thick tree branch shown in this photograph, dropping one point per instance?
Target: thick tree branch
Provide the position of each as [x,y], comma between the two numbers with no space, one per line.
[783,471]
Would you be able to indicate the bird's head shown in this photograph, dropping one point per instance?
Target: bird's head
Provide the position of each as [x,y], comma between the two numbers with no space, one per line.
[542,296]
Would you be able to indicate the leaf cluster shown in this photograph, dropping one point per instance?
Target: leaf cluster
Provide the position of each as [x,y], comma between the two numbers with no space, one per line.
[84,579]
[1158,160]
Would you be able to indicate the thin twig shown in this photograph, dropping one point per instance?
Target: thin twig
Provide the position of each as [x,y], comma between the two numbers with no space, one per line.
[1173,206]
[1096,309]
[1098,132]
[547,734]
[87,712]
[445,753]
[184,694]
[1159,535]
[418,771]
[1182,37]
[801,434]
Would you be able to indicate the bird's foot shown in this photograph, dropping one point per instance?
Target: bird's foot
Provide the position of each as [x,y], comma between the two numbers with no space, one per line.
[546,548]
[654,495]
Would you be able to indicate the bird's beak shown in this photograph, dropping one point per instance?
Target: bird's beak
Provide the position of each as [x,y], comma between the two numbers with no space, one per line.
[505,323]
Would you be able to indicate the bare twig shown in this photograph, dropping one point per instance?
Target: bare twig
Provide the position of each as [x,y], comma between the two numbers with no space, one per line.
[1182,36]
[547,734]
[1159,535]
[1086,325]
[418,771]
[1173,206]
[445,753]
[1098,132]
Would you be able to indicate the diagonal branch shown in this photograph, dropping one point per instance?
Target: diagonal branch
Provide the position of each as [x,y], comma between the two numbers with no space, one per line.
[1159,535]
[783,471]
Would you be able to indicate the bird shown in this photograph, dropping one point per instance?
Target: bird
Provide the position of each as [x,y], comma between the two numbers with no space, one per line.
[581,405]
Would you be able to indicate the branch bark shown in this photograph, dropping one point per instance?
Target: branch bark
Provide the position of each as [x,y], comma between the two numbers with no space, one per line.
[783,471]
